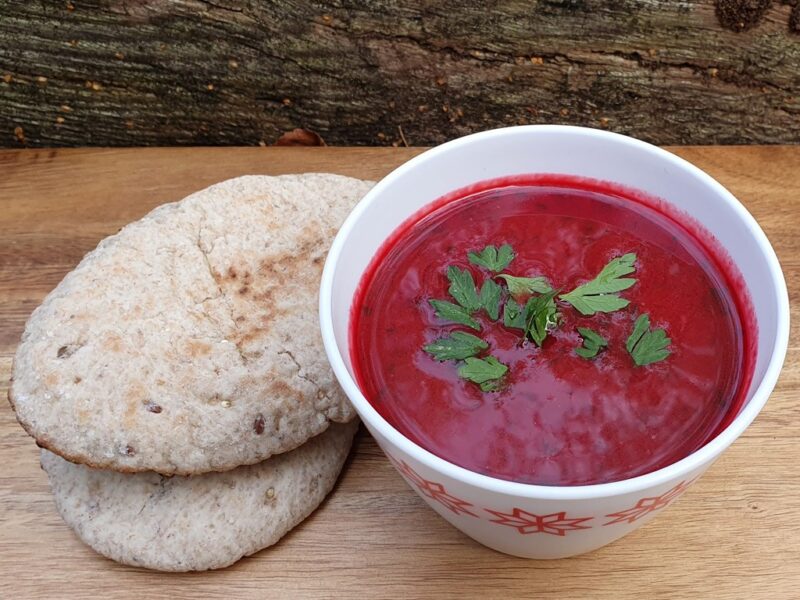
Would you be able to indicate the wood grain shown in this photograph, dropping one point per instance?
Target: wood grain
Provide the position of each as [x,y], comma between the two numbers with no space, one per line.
[734,534]
[240,72]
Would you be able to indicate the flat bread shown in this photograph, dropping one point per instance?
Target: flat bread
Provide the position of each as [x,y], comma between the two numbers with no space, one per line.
[189,342]
[199,522]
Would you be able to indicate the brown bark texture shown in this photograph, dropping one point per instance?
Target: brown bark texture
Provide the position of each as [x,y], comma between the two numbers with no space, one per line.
[382,72]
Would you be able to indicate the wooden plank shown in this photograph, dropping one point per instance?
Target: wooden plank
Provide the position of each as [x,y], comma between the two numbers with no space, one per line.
[197,72]
[734,534]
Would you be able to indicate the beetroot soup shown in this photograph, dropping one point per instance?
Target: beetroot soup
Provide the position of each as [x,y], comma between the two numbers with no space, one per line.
[551,330]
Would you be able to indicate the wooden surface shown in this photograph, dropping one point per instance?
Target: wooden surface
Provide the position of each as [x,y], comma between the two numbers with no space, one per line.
[734,534]
[242,72]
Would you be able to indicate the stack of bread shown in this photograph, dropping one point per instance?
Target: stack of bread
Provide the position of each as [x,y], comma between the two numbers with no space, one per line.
[176,379]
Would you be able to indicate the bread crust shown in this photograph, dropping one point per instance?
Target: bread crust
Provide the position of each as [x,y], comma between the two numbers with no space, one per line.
[199,522]
[189,341]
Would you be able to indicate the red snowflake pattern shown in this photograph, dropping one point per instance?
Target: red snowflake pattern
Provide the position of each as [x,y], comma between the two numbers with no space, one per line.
[647,505]
[525,522]
[431,489]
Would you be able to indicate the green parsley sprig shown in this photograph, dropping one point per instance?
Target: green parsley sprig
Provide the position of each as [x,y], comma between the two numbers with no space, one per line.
[541,316]
[486,372]
[457,346]
[536,317]
[601,294]
[522,286]
[447,311]
[491,258]
[490,298]
[462,288]
[646,346]
[593,342]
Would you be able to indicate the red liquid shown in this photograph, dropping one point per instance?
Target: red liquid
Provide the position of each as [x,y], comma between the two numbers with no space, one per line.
[559,419]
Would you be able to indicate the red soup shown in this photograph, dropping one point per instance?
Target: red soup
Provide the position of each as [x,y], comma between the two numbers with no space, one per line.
[610,340]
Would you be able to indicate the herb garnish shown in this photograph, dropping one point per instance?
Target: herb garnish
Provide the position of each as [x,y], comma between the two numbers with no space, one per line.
[646,346]
[462,288]
[490,298]
[537,317]
[541,315]
[520,286]
[491,258]
[457,346]
[593,342]
[484,371]
[513,315]
[601,294]
[453,312]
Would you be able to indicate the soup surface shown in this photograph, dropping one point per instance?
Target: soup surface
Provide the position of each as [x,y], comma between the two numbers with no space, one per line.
[553,417]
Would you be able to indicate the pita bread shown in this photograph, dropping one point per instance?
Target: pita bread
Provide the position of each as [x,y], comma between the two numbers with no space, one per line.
[199,522]
[189,341]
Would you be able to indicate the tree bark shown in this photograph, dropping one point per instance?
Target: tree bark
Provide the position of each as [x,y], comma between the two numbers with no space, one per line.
[197,72]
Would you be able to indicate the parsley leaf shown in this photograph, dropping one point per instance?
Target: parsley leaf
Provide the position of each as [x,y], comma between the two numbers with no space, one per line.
[601,294]
[519,286]
[593,342]
[513,315]
[483,371]
[490,298]
[540,316]
[462,288]
[641,325]
[453,312]
[537,317]
[457,346]
[491,258]
[646,346]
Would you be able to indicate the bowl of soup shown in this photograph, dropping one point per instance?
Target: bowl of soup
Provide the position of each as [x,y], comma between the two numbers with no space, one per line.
[552,331]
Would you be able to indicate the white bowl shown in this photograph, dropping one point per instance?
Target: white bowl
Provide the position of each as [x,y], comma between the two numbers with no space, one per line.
[532,520]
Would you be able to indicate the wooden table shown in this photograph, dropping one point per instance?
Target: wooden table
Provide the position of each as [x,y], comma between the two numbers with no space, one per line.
[735,534]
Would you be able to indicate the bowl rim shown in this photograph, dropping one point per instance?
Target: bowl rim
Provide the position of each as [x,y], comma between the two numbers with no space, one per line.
[670,473]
